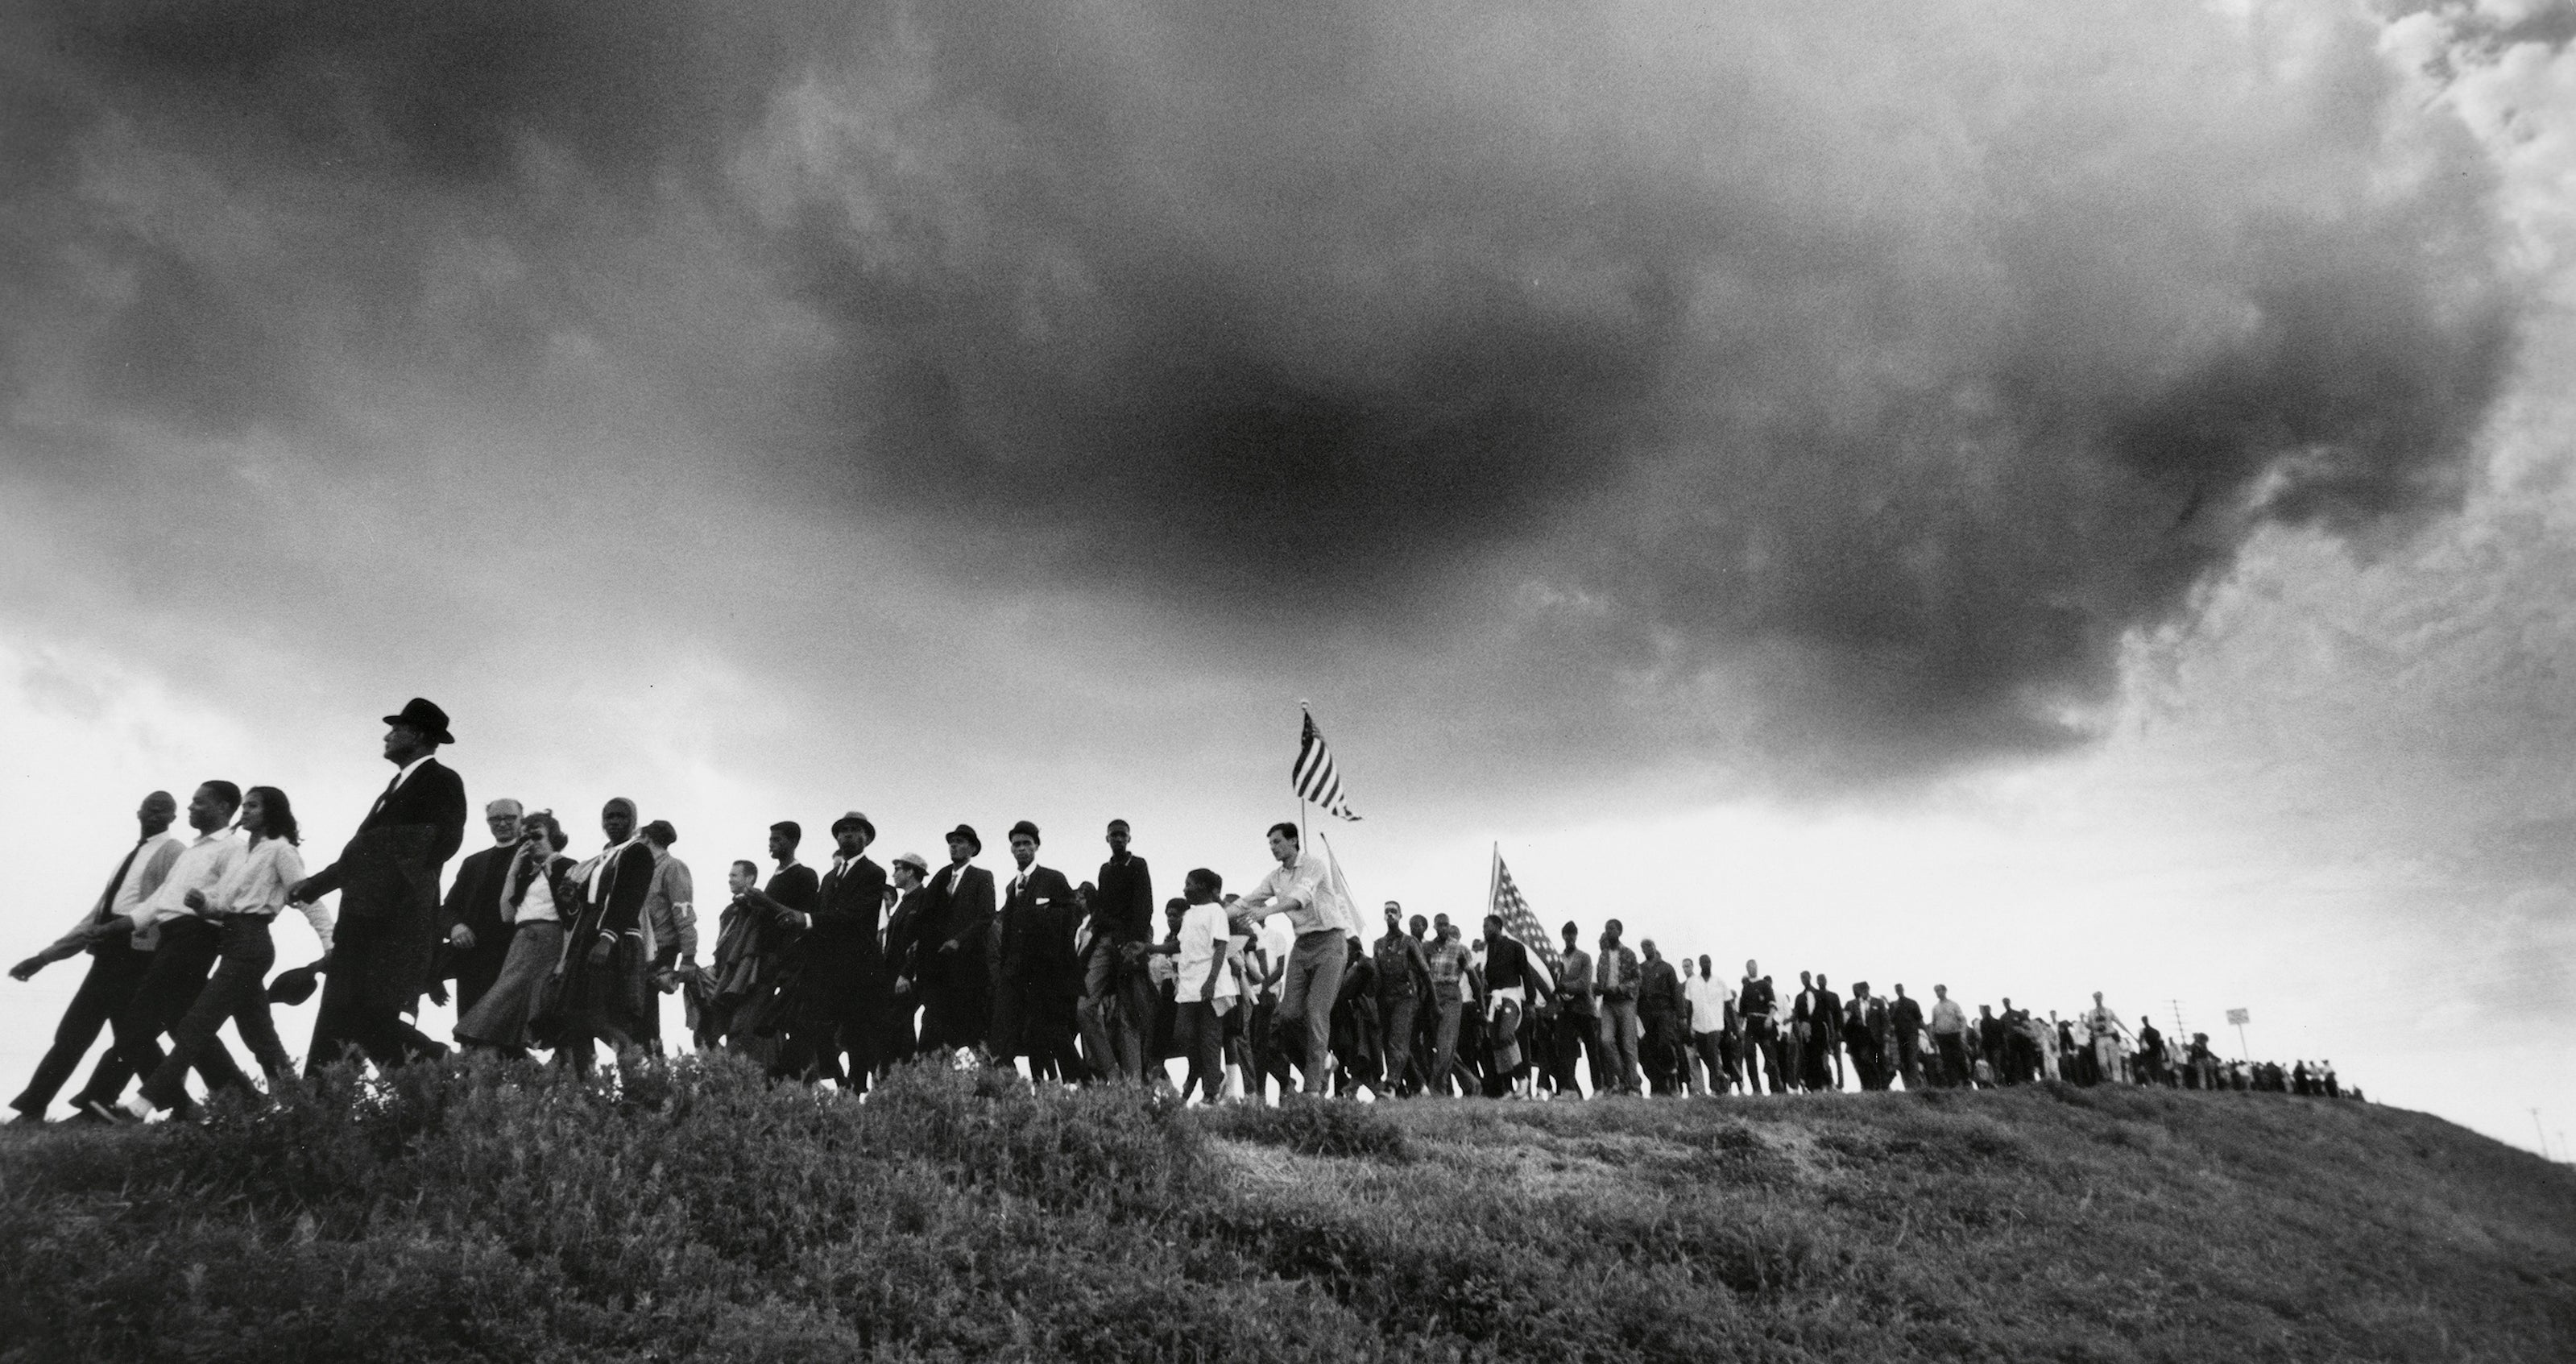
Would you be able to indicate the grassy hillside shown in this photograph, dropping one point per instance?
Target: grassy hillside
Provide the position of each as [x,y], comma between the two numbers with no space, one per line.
[699,1214]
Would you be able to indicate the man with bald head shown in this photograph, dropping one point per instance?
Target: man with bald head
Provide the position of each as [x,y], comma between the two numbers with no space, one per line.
[473,936]
[116,967]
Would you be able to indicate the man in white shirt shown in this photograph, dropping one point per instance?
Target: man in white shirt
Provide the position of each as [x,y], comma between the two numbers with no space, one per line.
[1708,1001]
[1297,888]
[117,965]
[189,944]
[1949,1028]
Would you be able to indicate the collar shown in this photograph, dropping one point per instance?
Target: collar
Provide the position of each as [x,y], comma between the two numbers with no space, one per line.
[204,839]
[411,767]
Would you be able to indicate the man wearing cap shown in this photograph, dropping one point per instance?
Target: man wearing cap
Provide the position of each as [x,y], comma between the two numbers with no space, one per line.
[1119,998]
[911,892]
[385,942]
[956,992]
[473,936]
[1036,978]
[841,979]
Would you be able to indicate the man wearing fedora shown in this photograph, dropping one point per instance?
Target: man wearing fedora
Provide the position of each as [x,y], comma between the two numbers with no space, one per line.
[841,979]
[1036,976]
[956,991]
[383,949]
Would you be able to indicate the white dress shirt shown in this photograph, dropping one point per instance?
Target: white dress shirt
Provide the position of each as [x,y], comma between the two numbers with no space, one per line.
[1297,889]
[201,865]
[258,882]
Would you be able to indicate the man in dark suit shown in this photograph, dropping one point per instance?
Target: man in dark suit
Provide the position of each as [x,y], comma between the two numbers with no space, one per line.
[1119,1000]
[956,985]
[1827,1069]
[1036,978]
[1905,1039]
[841,978]
[1759,1005]
[1865,1035]
[387,933]
[475,939]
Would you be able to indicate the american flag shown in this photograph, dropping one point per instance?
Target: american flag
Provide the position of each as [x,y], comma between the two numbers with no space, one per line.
[1519,921]
[1314,776]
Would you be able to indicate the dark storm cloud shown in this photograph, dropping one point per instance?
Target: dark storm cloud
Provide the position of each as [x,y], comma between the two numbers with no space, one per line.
[1875,373]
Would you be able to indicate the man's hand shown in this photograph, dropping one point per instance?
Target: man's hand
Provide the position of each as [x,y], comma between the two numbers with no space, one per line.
[301,893]
[437,991]
[666,981]
[195,899]
[27,968]
[948,946]
[461,938]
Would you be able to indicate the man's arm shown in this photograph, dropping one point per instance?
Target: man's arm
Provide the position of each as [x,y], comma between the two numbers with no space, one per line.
[1419,965]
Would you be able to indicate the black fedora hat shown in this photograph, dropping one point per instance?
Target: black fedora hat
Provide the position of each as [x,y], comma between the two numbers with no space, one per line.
[419,714]
[967,832]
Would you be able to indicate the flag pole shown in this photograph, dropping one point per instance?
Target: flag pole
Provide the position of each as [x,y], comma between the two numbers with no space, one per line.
[1493,878]
[1302,713]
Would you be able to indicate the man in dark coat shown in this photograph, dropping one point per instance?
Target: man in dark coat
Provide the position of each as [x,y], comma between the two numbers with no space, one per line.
[1758,1004]
[1905,1039]
[1865,1036]
[386,936]
[1826,1071]
[608,994]
[1118,995]
[1036,978]
[841,977]
[475,940]
[955,980]
[788,900]
[911,896]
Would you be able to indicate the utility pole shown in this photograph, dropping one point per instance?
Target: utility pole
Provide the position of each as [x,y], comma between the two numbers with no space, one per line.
[2543,1133]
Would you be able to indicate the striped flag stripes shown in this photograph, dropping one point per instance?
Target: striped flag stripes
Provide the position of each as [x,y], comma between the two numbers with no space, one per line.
[1314,777]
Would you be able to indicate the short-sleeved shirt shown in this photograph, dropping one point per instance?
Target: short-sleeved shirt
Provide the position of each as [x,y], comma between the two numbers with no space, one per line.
[1202,928]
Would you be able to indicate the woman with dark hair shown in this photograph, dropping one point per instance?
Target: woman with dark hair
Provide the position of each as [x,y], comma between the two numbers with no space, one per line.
[241,904]
[534,896]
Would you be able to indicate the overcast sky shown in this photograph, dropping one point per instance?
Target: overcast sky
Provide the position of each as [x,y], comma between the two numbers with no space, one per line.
[2038,497]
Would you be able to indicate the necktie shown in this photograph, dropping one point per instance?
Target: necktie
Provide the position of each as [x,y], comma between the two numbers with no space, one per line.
[117,882]
[388,794]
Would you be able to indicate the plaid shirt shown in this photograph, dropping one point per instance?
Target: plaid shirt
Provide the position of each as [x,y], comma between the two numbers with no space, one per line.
[1448,962]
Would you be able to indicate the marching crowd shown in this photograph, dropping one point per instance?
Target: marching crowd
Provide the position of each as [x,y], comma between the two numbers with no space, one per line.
[836,972]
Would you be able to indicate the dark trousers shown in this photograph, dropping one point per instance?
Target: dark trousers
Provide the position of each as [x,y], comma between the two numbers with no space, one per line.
[114,971]
[1660,1049]
[1954,1058]
[169,987]
[1199,1033]
[1710,1048]
[238,991]
[1909,1059]
[359,1006]
[955,1002]
[1762,1038]
[1577,1036]
[1031,1020]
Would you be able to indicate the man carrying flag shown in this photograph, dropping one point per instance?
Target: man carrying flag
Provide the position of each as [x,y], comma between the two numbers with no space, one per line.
[1300,888]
